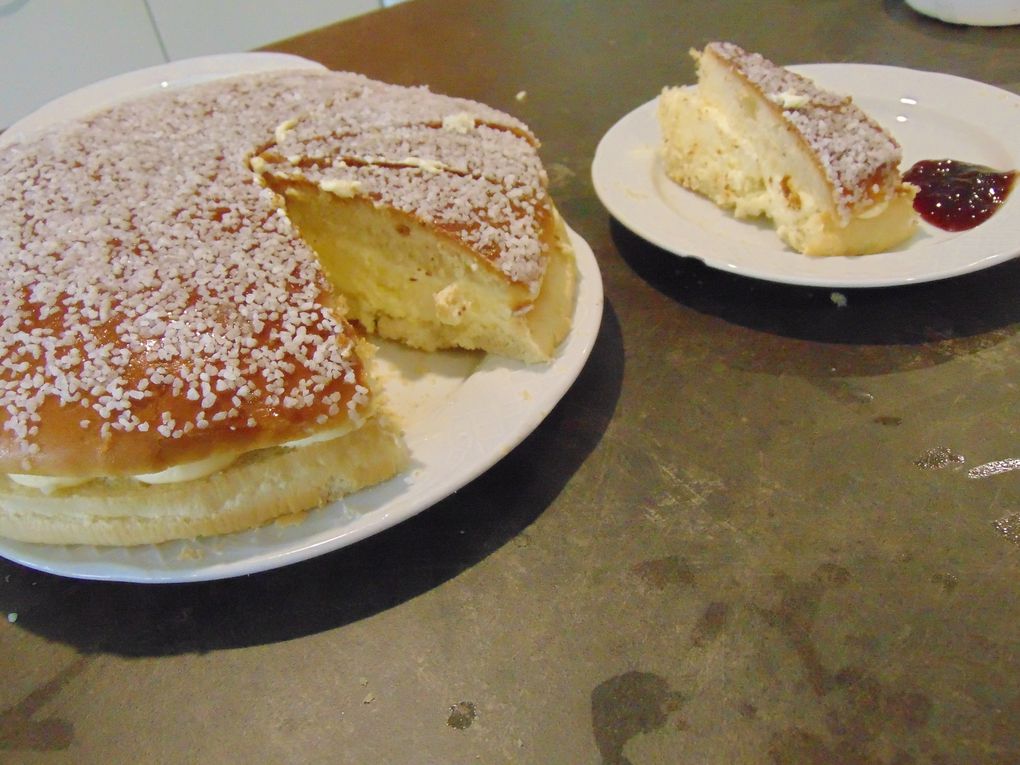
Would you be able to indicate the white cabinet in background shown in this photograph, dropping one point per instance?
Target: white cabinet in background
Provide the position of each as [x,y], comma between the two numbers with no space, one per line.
[51,47]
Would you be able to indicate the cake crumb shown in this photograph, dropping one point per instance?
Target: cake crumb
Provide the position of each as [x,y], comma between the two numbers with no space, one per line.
[521,95]
[790,100]
[12,617]
[461,122]
[291,519]
[839,299]
[341,187]
[190,553]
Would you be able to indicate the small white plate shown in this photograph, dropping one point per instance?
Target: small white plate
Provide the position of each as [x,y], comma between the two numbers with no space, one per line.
[460,412]
[933,116]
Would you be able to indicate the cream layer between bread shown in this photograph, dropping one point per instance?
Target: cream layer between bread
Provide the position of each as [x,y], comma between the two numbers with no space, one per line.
[188,471]
[260,486]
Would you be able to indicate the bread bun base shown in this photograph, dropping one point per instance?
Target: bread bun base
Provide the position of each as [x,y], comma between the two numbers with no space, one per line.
[261,486]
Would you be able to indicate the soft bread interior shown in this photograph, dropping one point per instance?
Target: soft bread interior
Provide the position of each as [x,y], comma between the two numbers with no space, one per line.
[259,487]
[408,282]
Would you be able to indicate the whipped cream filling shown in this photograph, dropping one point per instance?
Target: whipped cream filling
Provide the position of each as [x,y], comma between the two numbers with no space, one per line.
[340,187]
[46,483]
[187,471]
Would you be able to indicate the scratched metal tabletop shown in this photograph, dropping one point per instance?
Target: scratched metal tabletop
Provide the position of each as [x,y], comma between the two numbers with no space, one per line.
[764,526]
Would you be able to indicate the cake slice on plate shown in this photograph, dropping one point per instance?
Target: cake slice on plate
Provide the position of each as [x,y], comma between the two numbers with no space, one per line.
[760,140]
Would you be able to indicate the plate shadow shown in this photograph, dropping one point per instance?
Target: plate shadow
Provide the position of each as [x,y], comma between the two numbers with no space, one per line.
[858,331]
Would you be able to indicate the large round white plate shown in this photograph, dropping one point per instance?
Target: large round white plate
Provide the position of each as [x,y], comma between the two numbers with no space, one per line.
[933,116]
[460,413]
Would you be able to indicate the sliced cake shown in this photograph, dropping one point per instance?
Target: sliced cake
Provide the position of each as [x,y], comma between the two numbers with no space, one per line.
[431,216]
[176,360]
[760,140]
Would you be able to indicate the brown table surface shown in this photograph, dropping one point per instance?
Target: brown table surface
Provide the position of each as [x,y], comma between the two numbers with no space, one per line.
[719,547]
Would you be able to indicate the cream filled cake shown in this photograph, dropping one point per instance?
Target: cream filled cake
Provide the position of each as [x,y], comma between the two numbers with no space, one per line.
[760,140]
[175,359]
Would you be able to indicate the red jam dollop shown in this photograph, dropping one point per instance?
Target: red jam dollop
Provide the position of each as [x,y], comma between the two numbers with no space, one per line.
[956,196]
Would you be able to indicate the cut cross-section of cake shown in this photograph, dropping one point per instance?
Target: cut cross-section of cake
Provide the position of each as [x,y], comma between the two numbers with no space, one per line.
[760,140]
[431,216]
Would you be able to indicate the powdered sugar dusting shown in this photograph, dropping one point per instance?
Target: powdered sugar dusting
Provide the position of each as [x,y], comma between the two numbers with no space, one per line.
[855,152]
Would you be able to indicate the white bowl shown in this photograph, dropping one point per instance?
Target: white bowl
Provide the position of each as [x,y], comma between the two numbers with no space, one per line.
[986,13]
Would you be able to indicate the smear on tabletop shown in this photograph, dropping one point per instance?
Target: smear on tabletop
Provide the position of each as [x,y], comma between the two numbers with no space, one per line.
[994,468]
[938,458]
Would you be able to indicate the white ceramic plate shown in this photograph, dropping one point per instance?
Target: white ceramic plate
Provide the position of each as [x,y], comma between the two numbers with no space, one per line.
[460,412]
[985,13]
[141,81]
[933,116]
